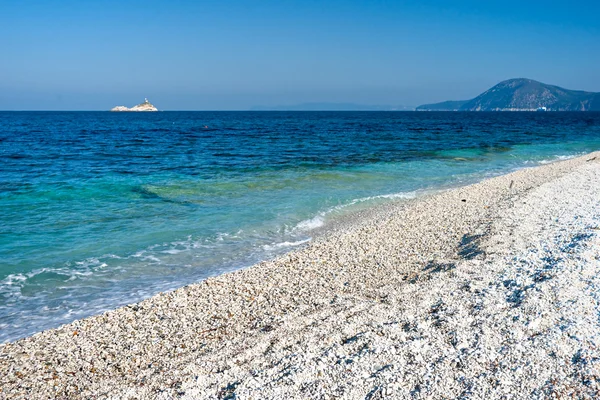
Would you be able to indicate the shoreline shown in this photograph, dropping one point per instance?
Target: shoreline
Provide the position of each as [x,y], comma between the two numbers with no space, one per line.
[343,214]
[368,308]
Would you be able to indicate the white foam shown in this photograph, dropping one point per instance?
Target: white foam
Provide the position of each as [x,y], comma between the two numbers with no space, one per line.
[173,251]
[88,261]
[310,224]
[13,278]
[319,220]
[276,246]
[556,158]
[221,236]
[403,195]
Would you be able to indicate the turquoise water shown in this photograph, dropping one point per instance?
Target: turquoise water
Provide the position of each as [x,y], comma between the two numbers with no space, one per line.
[103,209]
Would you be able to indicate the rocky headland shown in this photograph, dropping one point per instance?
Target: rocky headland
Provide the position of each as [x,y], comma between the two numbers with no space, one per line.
[523,95]
[145,106]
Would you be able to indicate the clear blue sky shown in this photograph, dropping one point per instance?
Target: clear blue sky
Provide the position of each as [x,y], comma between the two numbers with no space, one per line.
[207,55]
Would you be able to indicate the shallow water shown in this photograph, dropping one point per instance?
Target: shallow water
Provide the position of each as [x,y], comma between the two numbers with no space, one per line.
[101,209]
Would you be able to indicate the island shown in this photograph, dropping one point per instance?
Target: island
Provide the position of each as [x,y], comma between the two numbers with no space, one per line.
[523,95]
[145,106]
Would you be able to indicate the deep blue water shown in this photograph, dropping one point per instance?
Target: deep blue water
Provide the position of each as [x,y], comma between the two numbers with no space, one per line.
[101,209]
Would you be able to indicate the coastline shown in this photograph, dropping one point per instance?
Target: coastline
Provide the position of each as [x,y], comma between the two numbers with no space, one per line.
[467,291]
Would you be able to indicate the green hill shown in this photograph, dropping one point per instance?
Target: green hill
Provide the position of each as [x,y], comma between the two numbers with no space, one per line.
[523,95]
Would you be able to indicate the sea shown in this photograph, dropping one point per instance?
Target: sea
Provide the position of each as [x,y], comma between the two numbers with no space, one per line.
[100,209]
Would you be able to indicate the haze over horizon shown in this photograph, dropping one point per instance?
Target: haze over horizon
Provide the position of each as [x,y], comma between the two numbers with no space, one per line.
[69,55]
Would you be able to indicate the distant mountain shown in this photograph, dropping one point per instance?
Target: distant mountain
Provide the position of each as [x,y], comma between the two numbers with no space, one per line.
[523,95]
[333,107]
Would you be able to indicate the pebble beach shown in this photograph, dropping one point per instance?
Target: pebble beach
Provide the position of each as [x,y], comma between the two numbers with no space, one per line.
[486,291]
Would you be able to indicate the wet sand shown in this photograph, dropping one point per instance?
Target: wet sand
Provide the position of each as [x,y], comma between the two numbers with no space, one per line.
[486,291]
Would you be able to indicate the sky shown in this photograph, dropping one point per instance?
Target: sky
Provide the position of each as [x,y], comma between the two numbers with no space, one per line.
[234,55]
